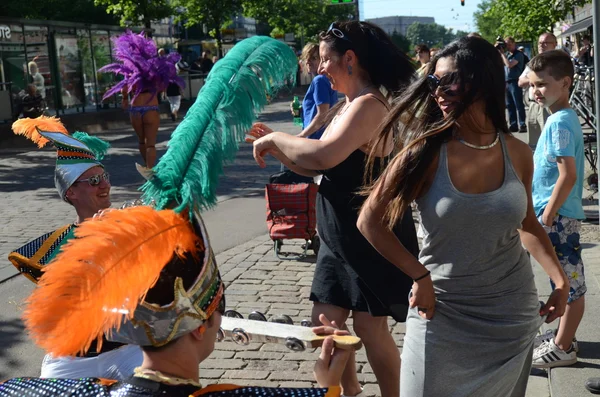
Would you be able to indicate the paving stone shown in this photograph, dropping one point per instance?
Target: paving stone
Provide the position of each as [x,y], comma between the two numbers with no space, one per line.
[259,355]
[210,374]
[297,384]
[229,363]
[291,376]
[266,365]
[254,374]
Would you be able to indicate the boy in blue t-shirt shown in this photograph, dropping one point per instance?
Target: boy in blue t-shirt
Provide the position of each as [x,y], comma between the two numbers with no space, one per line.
[557,190]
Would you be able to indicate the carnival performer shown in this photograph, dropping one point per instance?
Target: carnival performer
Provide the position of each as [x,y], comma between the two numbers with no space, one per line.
[358,58]
[145,75]
[81,181]
[474,306]
[162,278]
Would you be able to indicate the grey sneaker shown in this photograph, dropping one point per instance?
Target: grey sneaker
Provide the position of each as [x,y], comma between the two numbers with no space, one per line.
[549,335]
[548,355]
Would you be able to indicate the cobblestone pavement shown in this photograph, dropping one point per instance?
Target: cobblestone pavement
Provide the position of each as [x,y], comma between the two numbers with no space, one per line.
[257,280]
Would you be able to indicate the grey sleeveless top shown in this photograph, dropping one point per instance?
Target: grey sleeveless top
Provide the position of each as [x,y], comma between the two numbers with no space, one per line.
[471,244]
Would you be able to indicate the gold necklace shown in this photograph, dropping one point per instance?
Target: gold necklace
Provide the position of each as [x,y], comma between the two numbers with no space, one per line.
[159,377]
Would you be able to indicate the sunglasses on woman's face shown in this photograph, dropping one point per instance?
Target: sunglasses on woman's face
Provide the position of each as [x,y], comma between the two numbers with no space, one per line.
[446,83]
[96,179]
[337,33]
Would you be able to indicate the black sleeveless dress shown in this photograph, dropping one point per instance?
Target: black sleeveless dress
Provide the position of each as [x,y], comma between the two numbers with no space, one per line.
[350,273]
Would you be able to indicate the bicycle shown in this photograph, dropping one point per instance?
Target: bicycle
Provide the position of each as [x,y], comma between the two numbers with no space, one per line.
[582,98]
[590,151]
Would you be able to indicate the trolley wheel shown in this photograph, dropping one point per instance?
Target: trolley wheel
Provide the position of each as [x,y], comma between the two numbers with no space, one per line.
[282,319]
[306,323]
[257,316]
[591,181]
[233,314]
[315,244]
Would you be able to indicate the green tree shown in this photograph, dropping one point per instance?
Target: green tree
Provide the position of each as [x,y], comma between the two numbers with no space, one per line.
[137,12]
[487,20]
[402,42]
[59,10]
[431,34]
[214,14]
[526,19]
[302,17]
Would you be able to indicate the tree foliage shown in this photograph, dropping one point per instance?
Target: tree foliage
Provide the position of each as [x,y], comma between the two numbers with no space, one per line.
[527,19]
[487,20]
[401,42]
[301,17]
[431,34]
[137,12]
[214,14]
[58,10]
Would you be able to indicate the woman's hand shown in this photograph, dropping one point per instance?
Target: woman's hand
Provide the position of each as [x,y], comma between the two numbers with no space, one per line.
[262,147]
[331,362]
[125,104]
[423,297]
[557,302]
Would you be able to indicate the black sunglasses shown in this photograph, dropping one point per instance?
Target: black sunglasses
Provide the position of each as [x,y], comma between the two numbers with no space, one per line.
[338,33]
[96,179]
[444,83]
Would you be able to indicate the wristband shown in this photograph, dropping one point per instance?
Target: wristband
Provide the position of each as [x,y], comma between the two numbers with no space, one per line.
[422,277]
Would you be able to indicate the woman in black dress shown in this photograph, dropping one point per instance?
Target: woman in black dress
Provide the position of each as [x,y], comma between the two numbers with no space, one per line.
[359,59]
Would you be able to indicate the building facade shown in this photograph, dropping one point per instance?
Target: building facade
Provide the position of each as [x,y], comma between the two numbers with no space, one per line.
[399,24]
[62,59]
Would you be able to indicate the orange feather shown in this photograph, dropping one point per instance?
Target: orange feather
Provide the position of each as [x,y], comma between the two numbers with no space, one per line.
[100,276]
[27,128]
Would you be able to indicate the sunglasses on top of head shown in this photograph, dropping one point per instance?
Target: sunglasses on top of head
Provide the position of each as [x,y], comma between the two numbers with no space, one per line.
[337,33]
[96,179]
[444,83]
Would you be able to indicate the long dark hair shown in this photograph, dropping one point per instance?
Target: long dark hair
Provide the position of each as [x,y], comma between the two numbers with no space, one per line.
[420,127]
[385,64]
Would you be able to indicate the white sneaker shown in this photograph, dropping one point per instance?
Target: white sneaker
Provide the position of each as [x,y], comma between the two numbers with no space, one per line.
[147,173]
[548,355]
[549,335]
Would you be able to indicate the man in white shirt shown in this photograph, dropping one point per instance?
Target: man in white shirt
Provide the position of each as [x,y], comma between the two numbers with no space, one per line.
[537,115]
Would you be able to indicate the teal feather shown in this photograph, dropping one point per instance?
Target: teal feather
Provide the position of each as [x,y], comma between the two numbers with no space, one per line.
[98,146]
[235,91]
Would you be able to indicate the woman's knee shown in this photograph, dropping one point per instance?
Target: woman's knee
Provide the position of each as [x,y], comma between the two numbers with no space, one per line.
[333,313]
[368,327]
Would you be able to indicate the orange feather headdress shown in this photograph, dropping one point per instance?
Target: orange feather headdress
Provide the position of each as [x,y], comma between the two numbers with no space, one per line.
[30,128]
[102,275]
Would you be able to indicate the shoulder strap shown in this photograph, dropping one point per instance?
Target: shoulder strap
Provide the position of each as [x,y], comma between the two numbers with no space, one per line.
[384,103]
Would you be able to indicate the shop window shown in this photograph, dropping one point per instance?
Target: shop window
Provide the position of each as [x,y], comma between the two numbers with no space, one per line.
[101,47]
[71,93]
[39,68]
[13,71]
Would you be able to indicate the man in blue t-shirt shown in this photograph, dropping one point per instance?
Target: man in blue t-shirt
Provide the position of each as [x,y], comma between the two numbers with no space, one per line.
[514,64]
[319,98]
[556,192]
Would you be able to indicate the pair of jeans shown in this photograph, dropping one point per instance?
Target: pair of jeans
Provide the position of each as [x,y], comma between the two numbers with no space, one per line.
[515,104]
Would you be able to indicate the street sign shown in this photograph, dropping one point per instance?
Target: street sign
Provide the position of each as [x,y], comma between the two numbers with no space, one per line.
[337,2]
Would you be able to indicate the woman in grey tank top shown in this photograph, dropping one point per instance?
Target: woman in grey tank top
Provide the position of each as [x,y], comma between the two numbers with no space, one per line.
[474,306]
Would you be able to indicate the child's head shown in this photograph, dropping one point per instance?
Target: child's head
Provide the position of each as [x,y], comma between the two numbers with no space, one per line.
[551,77]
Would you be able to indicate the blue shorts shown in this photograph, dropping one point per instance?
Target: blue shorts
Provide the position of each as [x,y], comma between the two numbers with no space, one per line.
[564,235]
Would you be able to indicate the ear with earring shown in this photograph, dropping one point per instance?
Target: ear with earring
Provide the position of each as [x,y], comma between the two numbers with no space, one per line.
[349,70]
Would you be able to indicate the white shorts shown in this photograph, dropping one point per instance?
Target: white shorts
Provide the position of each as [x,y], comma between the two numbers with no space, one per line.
[116,364]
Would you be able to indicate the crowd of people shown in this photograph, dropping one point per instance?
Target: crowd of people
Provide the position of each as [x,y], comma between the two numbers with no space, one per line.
[433,139]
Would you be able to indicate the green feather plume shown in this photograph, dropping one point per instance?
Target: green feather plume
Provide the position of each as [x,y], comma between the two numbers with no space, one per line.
[98,146]
[236,89]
